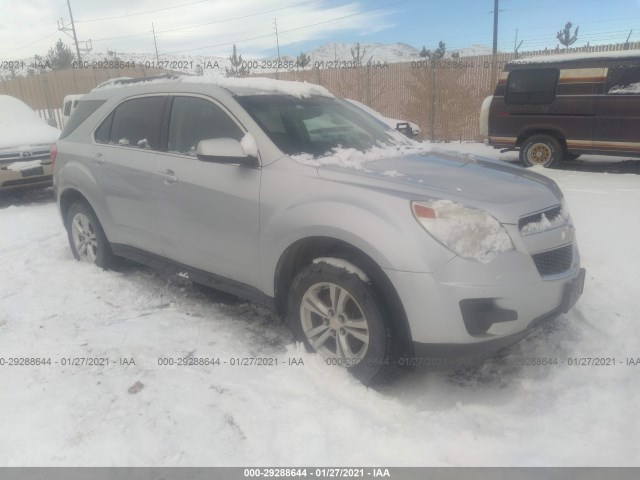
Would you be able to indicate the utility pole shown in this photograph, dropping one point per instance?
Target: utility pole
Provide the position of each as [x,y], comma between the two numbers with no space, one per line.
[495,27]
[516,45]
[153,29]
[64,28]
[73,27]
[275,24]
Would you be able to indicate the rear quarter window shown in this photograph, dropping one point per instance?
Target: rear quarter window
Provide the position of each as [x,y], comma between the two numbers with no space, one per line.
[532,86]
[83,111]
[624,80]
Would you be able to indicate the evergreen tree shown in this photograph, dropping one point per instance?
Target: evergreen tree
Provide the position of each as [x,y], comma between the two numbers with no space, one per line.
[303,60]
[436,54]
[60,56]
[237,68]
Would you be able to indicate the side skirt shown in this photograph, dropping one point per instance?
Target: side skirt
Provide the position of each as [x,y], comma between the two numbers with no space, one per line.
[166,266]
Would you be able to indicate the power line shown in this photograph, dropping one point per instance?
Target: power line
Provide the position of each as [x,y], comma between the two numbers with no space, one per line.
[289,30]
[141,13]
[28,45]
[210,23]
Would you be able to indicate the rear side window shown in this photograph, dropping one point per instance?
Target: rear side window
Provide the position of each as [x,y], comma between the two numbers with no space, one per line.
[194,119]
[532,86]
[624,80]
[135,123]
[84,109]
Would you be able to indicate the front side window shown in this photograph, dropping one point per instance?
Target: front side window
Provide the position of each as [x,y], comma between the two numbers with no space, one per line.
[532,86]
[195,119]
[624,80]
[135,123]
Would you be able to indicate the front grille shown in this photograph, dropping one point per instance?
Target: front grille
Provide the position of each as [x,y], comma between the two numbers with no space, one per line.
[13,157]
[555,261]
[551,214]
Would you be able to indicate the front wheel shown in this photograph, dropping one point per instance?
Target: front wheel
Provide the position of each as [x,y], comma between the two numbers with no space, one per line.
[335,314]
[542,150]
[86,237]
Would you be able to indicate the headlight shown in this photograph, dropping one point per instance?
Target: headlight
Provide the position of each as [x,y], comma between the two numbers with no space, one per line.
[465,231]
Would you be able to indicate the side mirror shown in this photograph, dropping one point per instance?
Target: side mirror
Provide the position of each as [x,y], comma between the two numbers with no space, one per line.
[224,150]
[405,128]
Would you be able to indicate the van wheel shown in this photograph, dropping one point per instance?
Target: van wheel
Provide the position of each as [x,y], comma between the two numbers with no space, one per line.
[336,315]
[541,150]
[570,156]
[86,236]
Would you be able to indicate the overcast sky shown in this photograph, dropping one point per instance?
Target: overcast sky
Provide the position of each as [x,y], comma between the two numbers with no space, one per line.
[209,27]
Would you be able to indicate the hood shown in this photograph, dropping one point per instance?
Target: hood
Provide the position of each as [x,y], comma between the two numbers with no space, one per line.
[26,136]
[505,191]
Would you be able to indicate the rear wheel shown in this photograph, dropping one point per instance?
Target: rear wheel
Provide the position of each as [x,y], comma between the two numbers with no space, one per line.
[542,150]
[335,314]
[86,237]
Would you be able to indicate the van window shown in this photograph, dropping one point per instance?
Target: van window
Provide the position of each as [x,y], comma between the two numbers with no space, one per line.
[67,109]
[136,123]
[624,80]
[194,119]
[532,86]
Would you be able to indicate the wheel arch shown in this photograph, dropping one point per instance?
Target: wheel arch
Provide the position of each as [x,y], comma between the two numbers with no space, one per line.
[530,132]
[68,197]
[303,251]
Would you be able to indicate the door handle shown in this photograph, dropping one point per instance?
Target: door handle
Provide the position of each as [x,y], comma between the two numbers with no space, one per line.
[98,159]
[169,176]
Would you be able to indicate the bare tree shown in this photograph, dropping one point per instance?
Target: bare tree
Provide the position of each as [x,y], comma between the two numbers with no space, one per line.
[357,54]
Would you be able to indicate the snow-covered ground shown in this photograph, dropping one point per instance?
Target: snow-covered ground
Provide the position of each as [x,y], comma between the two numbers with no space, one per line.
[149,414]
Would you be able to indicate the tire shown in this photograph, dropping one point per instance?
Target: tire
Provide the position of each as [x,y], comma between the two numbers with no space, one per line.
[86,237]
[336,314]
[570,156]
[541,150]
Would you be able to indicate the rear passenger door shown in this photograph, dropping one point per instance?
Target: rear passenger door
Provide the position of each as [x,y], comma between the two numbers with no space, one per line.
[208,213]
[123,163]
[618,118]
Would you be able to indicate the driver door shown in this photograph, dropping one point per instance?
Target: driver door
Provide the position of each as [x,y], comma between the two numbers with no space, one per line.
[208,213]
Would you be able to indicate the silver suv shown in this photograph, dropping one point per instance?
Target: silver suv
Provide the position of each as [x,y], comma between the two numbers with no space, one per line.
[379,252]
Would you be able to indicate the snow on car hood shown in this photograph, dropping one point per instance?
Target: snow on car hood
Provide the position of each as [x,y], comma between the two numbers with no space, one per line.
[27,136]
[504,190]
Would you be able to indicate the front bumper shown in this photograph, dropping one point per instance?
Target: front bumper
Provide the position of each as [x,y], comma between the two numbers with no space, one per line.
[453,356]
[40,176]
[517,295]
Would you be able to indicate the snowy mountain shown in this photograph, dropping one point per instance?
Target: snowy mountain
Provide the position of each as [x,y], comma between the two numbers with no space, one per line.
[323,57]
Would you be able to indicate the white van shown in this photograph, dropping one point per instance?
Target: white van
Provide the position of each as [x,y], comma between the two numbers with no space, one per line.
[68,106]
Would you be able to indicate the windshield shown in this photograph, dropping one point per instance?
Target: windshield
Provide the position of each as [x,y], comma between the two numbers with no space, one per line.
[317,125]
